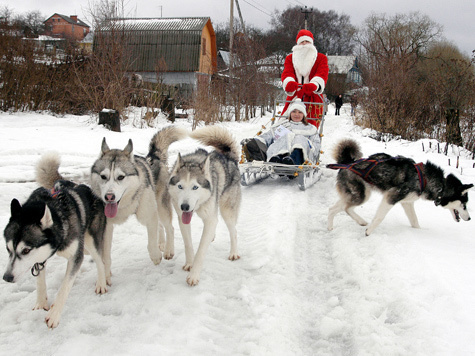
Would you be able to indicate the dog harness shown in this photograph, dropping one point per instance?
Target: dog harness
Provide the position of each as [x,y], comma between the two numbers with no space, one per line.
[364,172]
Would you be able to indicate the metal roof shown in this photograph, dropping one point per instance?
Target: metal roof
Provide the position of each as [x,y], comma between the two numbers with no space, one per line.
[160,24]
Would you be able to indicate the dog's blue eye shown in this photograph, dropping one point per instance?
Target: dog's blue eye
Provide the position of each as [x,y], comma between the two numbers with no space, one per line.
[180,186]
[195,187]
[25,251]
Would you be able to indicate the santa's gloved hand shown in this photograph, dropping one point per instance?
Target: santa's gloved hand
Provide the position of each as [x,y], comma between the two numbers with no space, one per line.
[309,88]
[291,86]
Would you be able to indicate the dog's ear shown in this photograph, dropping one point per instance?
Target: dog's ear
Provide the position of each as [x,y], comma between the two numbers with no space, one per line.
[15,208]
[129,149]
[104,147]
[466,188]
[177,165]
[47,220]
[207,168]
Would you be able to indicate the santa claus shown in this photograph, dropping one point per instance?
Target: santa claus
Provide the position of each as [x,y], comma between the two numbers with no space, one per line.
[305,75]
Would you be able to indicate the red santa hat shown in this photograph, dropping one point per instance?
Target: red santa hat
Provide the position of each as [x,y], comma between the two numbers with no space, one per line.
[297,104]
[304,35]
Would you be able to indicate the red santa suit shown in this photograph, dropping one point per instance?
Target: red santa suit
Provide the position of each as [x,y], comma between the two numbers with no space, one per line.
[308,68]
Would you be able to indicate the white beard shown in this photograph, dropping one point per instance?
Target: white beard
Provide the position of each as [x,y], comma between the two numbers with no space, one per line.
[303,59]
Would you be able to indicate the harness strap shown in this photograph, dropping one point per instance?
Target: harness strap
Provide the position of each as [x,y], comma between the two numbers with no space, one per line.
[364,173]
[420,173]
[54,193]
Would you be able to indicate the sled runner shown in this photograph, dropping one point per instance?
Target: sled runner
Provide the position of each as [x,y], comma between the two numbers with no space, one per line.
[306,174]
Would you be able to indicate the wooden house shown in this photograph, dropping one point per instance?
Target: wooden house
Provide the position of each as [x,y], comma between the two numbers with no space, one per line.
[175,51]
[69,27]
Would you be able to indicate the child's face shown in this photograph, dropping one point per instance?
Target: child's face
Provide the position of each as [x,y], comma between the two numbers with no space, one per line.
[296,115]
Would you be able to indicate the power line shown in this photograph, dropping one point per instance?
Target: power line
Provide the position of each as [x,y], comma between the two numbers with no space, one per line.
[264,12]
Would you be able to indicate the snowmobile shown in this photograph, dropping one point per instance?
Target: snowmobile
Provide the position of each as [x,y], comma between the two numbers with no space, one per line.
[306,174]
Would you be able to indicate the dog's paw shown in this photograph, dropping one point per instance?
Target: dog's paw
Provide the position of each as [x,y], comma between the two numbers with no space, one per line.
[168,255]
[155,256]
[234,257]
[41,305]
[101,288]
[52,318]
[193,279]
[187,267]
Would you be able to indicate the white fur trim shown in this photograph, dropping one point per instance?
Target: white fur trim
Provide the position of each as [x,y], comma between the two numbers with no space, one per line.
[303,60]
[305,38]
[320,83]
[307,132]
[297,105]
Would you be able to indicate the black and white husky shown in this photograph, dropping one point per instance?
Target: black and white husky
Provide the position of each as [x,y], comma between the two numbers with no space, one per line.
[65,221]
[132,185]
[399,179]
[203,183]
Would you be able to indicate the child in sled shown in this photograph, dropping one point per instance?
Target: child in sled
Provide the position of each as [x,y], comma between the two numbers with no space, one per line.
[293,142]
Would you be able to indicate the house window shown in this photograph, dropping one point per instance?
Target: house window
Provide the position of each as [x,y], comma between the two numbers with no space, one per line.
[203,47]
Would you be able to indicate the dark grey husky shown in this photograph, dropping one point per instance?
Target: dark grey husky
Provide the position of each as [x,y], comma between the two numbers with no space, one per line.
[399,179]
[65,221]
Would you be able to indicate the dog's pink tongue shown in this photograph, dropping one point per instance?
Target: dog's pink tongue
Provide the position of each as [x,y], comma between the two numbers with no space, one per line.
[186,217]
[110,210]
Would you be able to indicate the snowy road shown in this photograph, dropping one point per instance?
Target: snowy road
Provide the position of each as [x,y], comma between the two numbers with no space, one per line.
[297,289]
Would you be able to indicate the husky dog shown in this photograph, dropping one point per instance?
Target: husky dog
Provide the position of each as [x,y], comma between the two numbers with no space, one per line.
[63,221]
[204,182]
[399,179]
[129,184]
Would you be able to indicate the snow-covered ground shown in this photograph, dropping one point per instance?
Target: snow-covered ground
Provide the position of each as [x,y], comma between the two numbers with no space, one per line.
[298,289]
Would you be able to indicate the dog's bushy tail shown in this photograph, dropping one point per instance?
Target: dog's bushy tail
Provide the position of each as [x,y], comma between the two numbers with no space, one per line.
[347,151]
[158,148]
[47,170]
[219,138]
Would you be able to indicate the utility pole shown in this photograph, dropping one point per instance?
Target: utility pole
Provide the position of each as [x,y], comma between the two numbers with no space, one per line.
[240,16]
[306,12]
[231,35]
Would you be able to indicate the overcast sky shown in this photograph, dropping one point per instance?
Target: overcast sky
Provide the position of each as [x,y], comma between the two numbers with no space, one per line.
[456,16]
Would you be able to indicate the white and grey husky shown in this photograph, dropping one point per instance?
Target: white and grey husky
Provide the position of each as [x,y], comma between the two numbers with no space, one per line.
[64,221]
[129,184]
[399,179]
[204,182]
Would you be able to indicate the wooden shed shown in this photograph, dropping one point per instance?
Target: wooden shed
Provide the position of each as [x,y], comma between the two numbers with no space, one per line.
[180,49]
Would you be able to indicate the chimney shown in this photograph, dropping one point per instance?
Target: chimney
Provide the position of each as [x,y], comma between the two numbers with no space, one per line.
[74,18]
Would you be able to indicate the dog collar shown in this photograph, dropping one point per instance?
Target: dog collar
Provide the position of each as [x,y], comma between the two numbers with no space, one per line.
[37,268]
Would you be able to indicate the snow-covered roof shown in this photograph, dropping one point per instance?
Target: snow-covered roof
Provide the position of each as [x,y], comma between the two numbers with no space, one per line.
[341,64]
[161,24]
[225,56]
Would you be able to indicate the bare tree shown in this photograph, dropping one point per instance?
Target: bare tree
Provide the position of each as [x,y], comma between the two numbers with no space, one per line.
[332,32]
[449,81]
[391,48]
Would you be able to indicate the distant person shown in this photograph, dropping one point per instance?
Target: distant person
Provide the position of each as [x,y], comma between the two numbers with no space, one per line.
[338,104]
[326,102]
[306,67]
[354,104]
